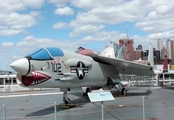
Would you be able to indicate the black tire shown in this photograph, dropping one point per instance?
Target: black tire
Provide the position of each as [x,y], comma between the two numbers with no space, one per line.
[66,102]
[88,89]
[123,91]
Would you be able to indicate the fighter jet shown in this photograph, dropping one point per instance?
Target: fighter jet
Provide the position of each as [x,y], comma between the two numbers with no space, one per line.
[58,68]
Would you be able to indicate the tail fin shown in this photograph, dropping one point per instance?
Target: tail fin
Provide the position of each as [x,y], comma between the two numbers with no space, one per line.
[122,52]
[150,56]
[165,65]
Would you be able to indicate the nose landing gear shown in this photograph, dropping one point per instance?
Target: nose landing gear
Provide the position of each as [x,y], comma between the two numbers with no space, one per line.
[67,101]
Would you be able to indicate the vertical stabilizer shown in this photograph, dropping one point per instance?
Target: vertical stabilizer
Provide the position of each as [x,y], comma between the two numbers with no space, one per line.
[122,52]
[165,65]
[150,55]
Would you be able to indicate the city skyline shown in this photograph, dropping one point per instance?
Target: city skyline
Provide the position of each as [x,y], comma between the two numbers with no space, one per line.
[135,53]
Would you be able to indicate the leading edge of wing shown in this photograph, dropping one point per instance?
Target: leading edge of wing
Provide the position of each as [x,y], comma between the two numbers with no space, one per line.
[124,66]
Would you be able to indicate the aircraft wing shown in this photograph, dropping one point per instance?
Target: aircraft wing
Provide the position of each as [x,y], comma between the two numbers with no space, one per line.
[124,66]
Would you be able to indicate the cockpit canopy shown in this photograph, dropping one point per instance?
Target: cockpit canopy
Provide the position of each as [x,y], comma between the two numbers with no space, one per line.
[45,54]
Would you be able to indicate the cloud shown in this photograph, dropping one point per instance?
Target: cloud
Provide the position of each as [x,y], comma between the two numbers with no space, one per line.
[7,44]
[64,11]
[158,20]
[85,30]
[156,25]
[90,4]
[162,35]
[104,15]
[59,3]
[111,12]
[29,43]
[149,16]
[9,6]
[8,32]
[113,36]
[33,4]
[60,25]
[13,22]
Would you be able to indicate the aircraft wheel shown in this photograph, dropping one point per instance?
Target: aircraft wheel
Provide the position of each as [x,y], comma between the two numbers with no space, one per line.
[88,89]
[123,91]
[67,101]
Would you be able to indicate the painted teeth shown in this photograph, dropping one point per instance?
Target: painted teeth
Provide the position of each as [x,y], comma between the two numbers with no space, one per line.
[39,78]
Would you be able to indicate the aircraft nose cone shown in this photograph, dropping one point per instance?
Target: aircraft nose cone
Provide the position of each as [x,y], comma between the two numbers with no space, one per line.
[21,66]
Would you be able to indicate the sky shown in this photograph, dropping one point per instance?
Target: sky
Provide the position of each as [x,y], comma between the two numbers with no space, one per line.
[27,25]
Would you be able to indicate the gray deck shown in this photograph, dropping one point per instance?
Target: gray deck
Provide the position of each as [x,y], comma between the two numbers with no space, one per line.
[159,105]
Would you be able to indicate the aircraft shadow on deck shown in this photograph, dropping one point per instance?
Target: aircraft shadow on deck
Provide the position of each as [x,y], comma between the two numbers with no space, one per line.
[42,112]
[168,87]
[50,110]
[148,92]
[135,92]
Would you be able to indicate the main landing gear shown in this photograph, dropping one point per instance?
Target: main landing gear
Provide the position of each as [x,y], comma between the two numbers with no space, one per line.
[123,91]
[117,86]
[86,90]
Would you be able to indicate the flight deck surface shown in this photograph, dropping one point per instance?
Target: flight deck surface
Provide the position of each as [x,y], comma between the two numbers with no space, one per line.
[39,105]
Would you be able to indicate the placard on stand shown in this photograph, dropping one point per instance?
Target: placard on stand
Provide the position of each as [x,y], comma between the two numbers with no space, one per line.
[100,97]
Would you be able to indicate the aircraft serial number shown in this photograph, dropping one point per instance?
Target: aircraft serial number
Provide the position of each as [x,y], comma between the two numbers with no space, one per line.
[56,67]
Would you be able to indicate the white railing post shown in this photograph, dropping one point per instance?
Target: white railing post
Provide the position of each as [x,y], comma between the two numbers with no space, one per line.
[143,108]
[55,110]
[4,113]
[102,110]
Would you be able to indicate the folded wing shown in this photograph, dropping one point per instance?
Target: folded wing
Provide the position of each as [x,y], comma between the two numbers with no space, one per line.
[124,66]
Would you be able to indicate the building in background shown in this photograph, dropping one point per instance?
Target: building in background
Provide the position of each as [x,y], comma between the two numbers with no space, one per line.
[140,47]
[137,55]
[172,51]
[163,53]
[129,50]
[131,53]
[157,57]
[160,44]
[121,42]
[169,49]
[111,50]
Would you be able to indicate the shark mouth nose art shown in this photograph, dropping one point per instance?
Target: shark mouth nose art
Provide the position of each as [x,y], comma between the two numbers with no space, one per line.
[36,78]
